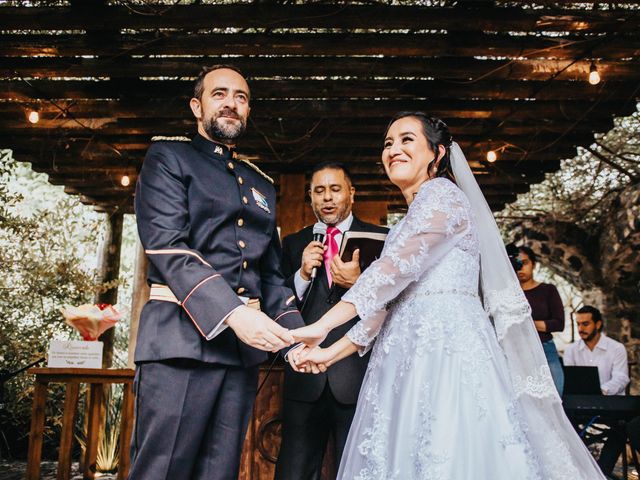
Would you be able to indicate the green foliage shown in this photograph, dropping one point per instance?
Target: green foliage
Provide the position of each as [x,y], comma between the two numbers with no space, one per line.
[585,186]
[47,259]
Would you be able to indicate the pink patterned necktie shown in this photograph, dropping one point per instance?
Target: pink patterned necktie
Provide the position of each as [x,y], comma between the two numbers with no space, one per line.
[331,251]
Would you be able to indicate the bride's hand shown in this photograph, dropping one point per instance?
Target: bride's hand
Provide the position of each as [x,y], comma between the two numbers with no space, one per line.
[311,335]
[311,360]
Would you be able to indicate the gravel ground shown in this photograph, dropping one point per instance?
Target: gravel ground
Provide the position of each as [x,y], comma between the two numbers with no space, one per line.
[17,470]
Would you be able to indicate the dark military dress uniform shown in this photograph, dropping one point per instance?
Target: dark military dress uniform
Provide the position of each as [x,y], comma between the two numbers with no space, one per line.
[207,223]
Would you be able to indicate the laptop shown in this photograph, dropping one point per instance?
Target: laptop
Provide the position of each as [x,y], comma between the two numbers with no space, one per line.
[581,381]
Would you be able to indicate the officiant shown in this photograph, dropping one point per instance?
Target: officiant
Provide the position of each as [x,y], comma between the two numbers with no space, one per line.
[319,406]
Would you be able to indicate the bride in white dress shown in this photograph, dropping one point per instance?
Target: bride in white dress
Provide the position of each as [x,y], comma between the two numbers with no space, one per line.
[457,386]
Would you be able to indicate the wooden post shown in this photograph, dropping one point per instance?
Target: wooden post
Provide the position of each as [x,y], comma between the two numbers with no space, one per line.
[291,204]
[37,429]
[372,212]
[108,271]
[139,298]
[68,427]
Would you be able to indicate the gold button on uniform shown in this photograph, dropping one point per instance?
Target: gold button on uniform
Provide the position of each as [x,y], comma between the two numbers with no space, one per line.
[230,165]
[240,180]
[241,290]
[245,200]
[245,264]
[240,222]
[242,244]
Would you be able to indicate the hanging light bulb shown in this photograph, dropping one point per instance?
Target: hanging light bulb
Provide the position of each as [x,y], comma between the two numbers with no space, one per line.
[491,156]
[125,181]
[594,76]
[34,116]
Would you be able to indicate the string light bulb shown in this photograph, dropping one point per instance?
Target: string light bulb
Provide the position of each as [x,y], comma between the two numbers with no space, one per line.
[34,116]
[492,156]
[125,181]
[594,76]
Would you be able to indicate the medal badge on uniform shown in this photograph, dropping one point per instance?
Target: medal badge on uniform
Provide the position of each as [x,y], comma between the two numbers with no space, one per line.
[261,200]
[218,150]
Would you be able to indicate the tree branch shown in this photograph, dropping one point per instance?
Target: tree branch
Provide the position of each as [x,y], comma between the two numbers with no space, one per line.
[612,164]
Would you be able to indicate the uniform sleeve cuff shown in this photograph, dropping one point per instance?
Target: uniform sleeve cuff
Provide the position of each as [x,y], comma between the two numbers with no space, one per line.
[209,304]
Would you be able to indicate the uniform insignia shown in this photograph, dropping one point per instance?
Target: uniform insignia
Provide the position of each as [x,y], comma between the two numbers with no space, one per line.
[261,200]
[255,167]
[218,150]
[160,138]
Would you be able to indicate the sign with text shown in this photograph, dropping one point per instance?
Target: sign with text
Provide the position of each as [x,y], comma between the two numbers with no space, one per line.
[75,354]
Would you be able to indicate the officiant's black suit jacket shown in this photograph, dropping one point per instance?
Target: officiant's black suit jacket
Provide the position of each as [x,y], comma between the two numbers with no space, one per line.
[345,377]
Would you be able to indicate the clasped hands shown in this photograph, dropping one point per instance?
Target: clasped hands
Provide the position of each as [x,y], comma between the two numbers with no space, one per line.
[309,357]
[259,331]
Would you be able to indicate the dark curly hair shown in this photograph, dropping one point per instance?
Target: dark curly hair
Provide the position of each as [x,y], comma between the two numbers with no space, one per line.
[437,133]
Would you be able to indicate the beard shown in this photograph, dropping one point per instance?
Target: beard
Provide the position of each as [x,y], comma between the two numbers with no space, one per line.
[222,130]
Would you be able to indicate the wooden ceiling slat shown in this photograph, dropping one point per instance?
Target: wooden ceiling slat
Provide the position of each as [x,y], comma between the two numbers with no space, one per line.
[460,44]
[355,109]
[329,89]
[279,132]
[447,68]
[343,16]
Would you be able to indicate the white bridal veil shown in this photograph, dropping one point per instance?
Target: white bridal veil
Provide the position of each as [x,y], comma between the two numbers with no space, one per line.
[560,451]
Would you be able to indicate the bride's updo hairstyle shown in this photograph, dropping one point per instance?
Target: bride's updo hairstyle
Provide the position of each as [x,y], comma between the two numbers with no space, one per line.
[437,133]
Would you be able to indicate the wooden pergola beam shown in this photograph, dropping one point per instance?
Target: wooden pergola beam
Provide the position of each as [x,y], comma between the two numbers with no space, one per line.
[342,110]
[269,90]
[447,68]
[278,16]
[462,44]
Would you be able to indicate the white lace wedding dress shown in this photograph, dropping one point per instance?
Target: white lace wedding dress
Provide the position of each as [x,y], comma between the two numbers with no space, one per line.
[438,400]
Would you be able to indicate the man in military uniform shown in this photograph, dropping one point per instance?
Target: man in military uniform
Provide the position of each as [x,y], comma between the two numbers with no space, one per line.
[208,226]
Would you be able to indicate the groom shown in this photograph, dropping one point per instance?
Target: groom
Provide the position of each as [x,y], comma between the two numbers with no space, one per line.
[207,222]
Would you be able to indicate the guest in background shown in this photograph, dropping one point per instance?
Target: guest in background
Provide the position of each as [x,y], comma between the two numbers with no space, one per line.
[595,349]
[547,311]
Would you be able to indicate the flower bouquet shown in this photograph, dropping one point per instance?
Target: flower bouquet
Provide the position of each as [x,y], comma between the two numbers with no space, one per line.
[91,320]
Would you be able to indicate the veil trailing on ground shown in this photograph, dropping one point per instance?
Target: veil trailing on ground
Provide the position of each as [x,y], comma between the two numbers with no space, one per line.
[559,451]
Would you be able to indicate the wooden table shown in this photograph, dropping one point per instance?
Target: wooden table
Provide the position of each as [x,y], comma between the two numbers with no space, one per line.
[96,378]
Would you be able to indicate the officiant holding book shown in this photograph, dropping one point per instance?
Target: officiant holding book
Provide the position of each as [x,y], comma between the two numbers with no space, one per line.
[317,407]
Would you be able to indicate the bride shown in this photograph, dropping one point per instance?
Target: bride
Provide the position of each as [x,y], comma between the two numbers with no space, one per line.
[457,386]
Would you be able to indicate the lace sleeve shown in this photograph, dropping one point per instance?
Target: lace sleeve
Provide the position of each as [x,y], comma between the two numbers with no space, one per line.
[436,220]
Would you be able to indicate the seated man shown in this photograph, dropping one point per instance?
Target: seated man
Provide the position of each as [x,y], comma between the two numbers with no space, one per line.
[595,349]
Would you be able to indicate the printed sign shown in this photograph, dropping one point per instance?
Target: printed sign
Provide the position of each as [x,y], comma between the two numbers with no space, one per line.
[75,354]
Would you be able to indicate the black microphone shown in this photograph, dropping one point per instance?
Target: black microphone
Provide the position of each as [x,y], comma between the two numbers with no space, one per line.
[319,231]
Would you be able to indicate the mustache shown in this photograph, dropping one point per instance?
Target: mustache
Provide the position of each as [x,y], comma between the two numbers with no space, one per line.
[227,112]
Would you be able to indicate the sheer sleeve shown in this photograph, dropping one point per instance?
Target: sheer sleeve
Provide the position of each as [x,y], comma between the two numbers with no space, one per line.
[436,221]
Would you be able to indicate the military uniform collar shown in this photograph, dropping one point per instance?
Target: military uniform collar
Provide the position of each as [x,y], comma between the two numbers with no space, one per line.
[213,148]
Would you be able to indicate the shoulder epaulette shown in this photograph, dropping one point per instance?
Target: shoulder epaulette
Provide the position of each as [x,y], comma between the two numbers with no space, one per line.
[255,167]
[160,138]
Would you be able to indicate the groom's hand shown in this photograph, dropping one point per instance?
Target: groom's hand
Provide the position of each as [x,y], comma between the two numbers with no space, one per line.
[257,330]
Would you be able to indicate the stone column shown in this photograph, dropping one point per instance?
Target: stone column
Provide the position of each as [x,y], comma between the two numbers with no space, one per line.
[108,272]
[139,298]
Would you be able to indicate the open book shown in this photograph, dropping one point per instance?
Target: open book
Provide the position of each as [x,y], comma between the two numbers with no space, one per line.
[369,243]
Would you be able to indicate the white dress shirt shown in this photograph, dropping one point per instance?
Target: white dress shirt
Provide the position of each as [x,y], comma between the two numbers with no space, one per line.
[609,356]
[300,283]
